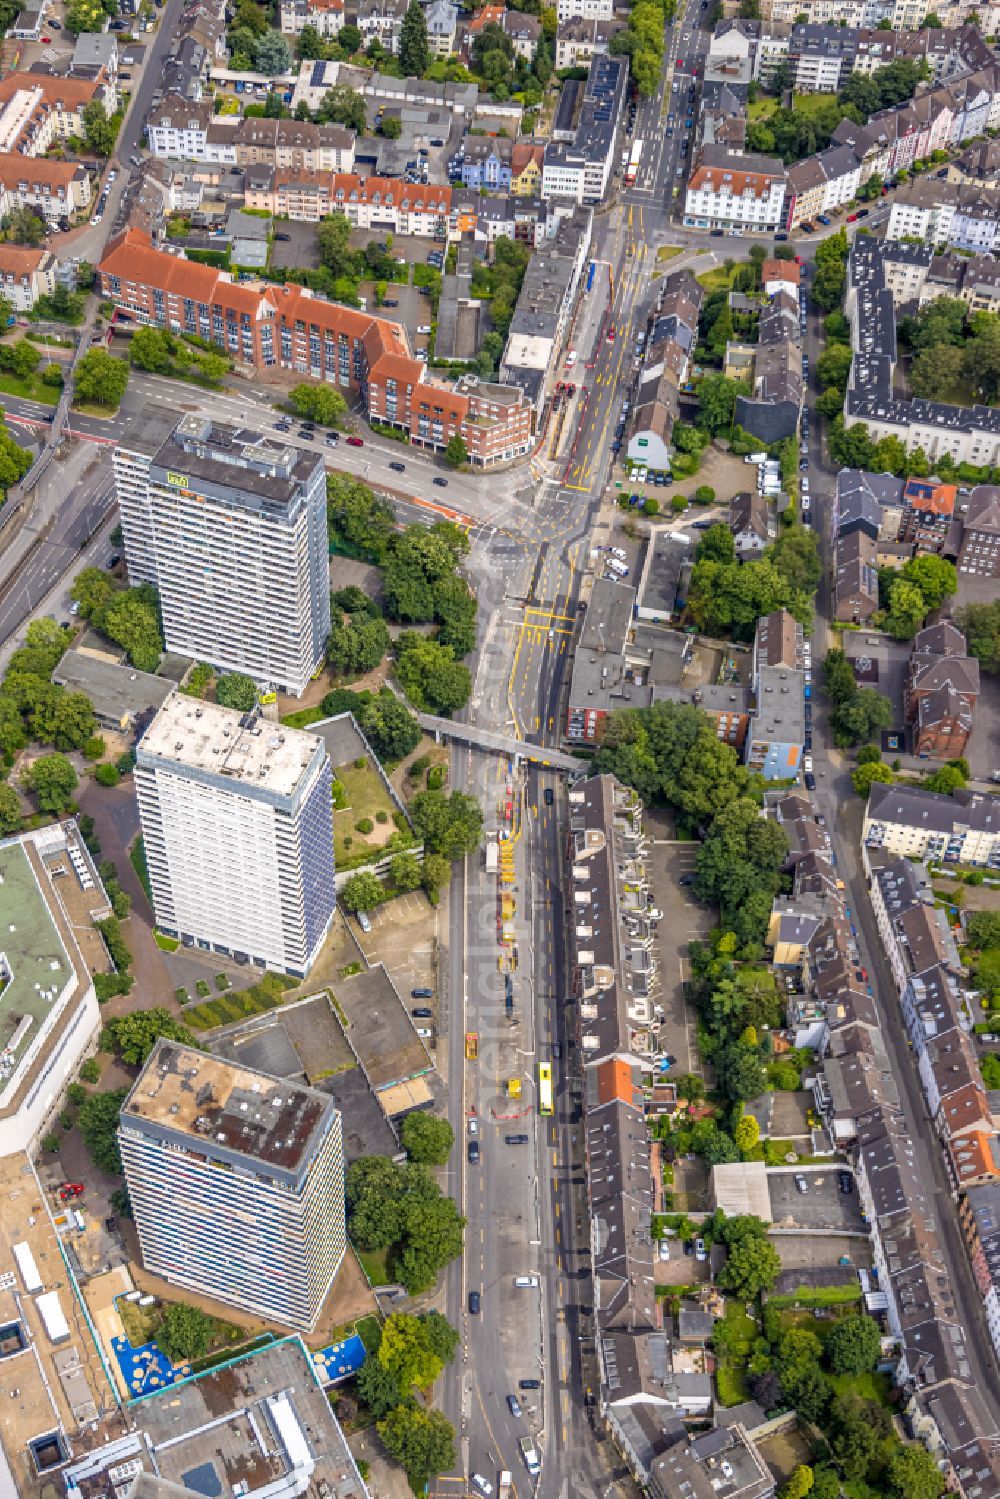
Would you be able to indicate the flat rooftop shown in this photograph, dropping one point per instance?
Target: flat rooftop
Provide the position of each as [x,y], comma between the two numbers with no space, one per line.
[149,429]
[240,460]
[379,1029]
[38,967]
[116,691]
[46,1385]
[227,1111]
[305,1042]
[242,747]
[262,1422]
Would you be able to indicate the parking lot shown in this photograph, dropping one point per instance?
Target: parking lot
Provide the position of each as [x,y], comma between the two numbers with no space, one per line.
[823,1207]
[684,920]
[298,249]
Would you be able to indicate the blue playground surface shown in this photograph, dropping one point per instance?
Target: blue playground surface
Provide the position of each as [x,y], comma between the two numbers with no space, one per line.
[339,1360]
[146,1368]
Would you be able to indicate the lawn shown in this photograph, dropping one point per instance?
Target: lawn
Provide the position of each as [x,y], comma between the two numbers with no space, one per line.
[667,252]
[29,388]
[761,109]
[359,794]
[718,279]
[165,943]
[369,1330]
[869,1386]
[137,858]
[95,408]
[988,968]
[373,1264]
[303,718]
[239,1004]
[734,1344]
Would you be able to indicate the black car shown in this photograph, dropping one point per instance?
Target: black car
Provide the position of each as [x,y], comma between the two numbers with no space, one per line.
[441,483]
[717,233]
[279,234]
[514,1406]
[846,1182]
[810,780]
[421,993]
[475,1302]
[689,1248]
[515,1139]
[529,1384]
[422,1013]
[549,796]
[686,879]
[473,1152]
[807,742]
[398,468]
[557,1050]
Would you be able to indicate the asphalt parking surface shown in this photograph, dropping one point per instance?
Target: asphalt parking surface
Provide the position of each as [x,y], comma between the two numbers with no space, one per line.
[823,1206]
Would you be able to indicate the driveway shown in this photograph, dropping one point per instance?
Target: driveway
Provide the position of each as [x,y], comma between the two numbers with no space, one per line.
[116,819]
[822,1208]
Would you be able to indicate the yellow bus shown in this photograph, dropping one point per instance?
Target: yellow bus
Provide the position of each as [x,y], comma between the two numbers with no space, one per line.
[544,1088]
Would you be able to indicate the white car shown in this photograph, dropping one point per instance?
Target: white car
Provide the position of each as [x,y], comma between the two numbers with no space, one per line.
[700,1252]
[618,552]
[654,913]
[805,486]
[424,328]
[424,1033]
[807,764]
[482,1484]
[473,1126]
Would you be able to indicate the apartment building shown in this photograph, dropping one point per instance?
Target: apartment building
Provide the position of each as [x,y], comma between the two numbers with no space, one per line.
[958,215]
[545,304]
[942,690]
[326,17]
[732,191]
[26,275]
[486,162]
[37,109]
[719,1464]
[822,182]
[236,1180]
[777,726]
[188,130]
[366,356]
[380,21]
[238,831]
[665,364]
[882,276]
[980,554]
[962,829]
[589,10]
[581,169]
[49,188]
[580,38]
[266,1412]
[230,526]
[49,952]
[442,26]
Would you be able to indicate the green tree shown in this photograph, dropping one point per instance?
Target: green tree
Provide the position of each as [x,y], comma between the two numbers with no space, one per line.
[349,39]
[799,1484]
[391,127]
[864,776]
[405,1350]
[414,48]
[99,131]
[271,54]
[946,780]
[421,1441]
[98,1122]
[746,1134]
[130,619]
[333,243]
[389,726]
[855,1435]
[935,578]
[23,226]
[936,372]
[435,873]
[405,871]
[360,524]
[839,681]
[149,349]
[12,735]
[378,1388]
[854,1345]
[133,1036]
[861,717]
[357,645]
[236,691]
[717,397]
[981,623]
[52,780]
[342,105]
[450,825]
[751,1267]
[907,610]
[185,1333]
[107,774]
[362,892]
[321,403]
[455,453]
[430,675]
[983,928]
[914,1474]
[10,811]
[101,378]
[427,1139]
[795,555]
[717,544]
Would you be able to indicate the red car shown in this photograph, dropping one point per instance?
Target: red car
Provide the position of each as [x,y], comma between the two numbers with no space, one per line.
[611,334]
[680,62]
[355,442]
[852,218]
[69,1190]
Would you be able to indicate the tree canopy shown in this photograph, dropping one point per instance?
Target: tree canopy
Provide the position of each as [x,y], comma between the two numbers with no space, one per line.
[402,1209]
[98,1121]
[185,1333]
[134,1036]
[427,1138]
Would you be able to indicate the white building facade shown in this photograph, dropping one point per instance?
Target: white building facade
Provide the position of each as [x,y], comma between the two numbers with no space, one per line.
[237,825]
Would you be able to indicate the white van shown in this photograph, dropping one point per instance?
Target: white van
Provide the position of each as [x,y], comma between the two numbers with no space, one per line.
[619,552]
[618,568]
[755,458]
[525,1282]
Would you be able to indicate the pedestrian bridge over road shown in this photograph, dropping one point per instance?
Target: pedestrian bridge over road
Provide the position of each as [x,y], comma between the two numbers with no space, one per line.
[501,744]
